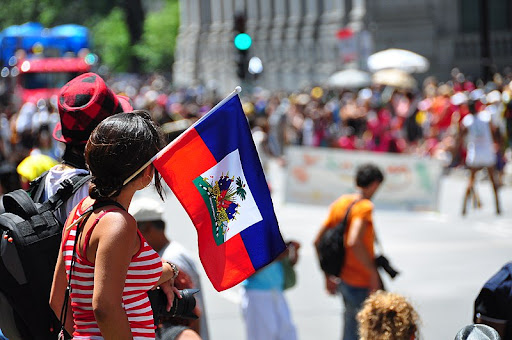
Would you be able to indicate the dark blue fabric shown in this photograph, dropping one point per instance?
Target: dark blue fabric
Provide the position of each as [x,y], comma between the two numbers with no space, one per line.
[495,299]
[223,131]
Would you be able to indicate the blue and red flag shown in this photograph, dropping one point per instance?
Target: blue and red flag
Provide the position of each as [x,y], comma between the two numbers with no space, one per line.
[214,170]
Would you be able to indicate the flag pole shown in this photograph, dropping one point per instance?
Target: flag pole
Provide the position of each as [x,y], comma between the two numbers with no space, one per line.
[236,91]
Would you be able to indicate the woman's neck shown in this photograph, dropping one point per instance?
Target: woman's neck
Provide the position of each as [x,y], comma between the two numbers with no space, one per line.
[125,197]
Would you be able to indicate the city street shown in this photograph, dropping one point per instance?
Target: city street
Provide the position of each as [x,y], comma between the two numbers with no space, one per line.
[325,87]
[444,260]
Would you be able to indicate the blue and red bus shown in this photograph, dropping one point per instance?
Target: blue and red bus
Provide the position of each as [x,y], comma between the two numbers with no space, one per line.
[38,61]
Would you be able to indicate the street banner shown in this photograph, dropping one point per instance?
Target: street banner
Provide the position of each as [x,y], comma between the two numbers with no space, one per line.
[214,171]
[321,175]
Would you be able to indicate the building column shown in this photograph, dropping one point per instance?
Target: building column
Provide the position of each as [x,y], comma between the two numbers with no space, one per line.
[227,72]
[258,41]
[307,44]
[209,48]
[268,78]
[364,40]
[291,66]
[357,15]
[331,20]
[186,57]
[276,41]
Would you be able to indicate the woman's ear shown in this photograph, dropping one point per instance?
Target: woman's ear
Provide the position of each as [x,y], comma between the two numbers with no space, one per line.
[145,177]
[149,171]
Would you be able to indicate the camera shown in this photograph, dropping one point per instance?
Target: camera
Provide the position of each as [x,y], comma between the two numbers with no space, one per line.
[181,308]
[382,262]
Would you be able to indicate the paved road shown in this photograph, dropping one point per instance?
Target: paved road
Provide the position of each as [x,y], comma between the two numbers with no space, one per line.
[444,259]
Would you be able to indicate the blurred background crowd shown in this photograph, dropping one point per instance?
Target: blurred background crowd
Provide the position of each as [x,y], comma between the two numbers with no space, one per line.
[423,121]
[310,77]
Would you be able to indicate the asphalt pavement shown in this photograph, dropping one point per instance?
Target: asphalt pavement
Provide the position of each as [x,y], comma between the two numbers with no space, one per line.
[443,259]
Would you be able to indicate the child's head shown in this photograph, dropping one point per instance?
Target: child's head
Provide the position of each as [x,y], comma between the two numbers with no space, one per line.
[387,316]
[118,147]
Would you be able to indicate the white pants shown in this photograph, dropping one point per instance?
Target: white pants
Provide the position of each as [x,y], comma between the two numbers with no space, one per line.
[267,316]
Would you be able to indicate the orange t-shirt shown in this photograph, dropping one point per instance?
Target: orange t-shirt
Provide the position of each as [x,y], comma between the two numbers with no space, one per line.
[353,272]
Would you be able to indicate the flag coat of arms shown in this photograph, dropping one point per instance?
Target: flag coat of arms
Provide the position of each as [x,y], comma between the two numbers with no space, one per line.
[214,170]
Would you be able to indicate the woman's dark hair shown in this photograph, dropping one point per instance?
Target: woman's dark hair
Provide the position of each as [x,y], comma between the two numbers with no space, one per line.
[118,147]
[367,174]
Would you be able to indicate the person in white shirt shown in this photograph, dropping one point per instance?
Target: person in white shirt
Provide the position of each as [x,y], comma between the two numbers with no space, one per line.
[148,213]
[481,152]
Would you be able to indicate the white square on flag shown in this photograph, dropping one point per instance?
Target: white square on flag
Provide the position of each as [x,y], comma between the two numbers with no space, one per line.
[230,198]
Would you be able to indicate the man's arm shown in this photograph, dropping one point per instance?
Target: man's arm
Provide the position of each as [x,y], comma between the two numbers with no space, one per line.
[355,242]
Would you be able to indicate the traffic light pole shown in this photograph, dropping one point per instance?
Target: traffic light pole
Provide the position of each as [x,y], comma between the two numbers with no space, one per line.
[242,43]
[485,50]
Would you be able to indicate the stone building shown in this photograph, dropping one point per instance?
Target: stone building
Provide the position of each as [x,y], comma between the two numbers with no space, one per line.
[298,44]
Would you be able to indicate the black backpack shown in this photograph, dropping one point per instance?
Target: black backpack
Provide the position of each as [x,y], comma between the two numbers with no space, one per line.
[331,246]
[29,246]
[493,305]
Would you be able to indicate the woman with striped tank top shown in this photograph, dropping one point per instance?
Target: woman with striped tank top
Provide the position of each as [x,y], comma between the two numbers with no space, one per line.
[104,258]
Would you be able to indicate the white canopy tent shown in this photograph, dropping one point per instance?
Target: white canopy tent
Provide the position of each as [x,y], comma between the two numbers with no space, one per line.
[349,79]
[395,58]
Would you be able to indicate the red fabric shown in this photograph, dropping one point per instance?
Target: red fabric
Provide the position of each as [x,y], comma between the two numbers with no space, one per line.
[184,161]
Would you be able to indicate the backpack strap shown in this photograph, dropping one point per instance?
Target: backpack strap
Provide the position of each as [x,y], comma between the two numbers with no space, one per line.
[68,188]
[36,187]
[344,221]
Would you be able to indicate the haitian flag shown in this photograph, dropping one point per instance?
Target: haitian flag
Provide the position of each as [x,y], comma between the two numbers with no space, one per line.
[214,170]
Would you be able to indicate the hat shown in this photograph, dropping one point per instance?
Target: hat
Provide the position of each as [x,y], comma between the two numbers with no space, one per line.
[146,209]
[477,332]
[83,103]
[34,165]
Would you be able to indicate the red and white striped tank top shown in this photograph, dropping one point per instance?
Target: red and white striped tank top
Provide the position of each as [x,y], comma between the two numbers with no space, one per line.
[143,273]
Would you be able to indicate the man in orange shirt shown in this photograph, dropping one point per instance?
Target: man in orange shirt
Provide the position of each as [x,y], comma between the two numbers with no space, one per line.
[358,276]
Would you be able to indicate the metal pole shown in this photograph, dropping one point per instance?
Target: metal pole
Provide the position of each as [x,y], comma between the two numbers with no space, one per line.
[485,50]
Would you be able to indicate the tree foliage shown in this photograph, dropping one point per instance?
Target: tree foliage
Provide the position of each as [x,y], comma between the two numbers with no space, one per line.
[112,41]
[54,12]
[156,50]
[108,24]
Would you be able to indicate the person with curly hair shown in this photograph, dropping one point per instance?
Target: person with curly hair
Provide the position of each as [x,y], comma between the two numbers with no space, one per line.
[387,316]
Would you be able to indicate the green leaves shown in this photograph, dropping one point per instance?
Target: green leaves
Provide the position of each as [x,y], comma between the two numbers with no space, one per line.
[156,49]
[112,41]
[109,29]
[240,188]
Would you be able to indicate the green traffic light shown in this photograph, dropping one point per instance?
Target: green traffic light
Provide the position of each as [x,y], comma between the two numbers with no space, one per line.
[243,41]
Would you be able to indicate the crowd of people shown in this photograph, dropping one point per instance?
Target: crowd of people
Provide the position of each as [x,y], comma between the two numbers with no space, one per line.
[426,122]
[443,120]
[379,118]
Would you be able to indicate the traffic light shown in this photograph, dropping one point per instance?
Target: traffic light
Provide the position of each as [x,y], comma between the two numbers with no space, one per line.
[242,42]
